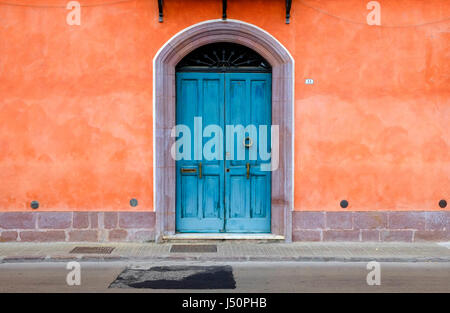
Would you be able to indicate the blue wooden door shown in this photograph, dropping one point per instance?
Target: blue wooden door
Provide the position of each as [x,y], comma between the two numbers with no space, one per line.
[227,192]
[247,186]
[200,182]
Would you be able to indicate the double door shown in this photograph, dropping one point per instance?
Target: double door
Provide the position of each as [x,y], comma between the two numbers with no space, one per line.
[223,141]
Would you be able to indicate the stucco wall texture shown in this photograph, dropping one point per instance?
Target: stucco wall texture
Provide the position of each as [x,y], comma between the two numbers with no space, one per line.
[76,101]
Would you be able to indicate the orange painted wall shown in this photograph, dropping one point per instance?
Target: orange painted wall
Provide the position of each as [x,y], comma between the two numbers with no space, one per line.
[76,101]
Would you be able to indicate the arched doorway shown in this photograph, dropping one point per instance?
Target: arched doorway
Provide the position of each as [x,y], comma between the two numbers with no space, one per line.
[164,93]
[223,115]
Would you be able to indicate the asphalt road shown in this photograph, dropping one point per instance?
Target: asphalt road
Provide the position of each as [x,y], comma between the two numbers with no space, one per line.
[248,277]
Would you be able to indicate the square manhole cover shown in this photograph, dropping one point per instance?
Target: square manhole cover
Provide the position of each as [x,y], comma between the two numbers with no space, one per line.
[194,248]
[177,277]
[96,250]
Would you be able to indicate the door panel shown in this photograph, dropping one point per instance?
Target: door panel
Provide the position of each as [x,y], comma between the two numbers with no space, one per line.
[239,198]
[199,203]
[247,188]
[211,199]
[232,194]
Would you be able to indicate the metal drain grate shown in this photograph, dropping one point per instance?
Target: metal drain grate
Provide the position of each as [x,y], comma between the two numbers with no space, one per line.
[96,250]
[194,248]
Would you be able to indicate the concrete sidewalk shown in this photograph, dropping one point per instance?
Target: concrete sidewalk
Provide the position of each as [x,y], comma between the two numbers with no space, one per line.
[232,251]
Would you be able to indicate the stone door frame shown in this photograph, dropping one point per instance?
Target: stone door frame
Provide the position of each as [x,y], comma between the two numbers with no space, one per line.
[164,108]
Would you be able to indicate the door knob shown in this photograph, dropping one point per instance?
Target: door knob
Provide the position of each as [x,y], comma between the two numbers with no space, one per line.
[248,170]
[248,142]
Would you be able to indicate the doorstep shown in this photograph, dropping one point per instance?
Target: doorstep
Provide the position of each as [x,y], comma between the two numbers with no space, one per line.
[223,236]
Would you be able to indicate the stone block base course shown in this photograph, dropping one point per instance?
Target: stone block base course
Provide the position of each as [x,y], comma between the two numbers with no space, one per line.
[77,226]
[404,226]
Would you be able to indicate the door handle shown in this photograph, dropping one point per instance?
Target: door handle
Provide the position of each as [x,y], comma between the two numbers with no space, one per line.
[188,170]
[200,170]
[248,170]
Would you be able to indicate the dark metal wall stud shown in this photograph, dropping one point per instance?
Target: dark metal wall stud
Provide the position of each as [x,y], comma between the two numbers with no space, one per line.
[133,202]
[442,203]
[34,205]
[288,11]
[344,204]
[224,10]
[160,9]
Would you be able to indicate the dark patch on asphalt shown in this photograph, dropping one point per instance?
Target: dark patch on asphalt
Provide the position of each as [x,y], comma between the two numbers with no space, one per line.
[177,277]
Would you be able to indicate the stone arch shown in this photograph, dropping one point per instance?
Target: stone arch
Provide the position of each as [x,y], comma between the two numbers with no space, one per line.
[164,101]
